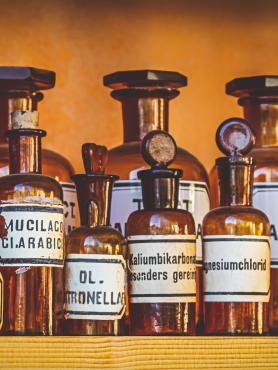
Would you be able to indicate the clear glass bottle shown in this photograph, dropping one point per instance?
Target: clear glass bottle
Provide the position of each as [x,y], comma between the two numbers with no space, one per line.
[145,97]
[161,249]
[95,268]
[258,96]
[20,90]
[32,244]
[236,244]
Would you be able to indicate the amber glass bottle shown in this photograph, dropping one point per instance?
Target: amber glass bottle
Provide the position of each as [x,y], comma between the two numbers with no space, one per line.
[236,244]
[258,96]
[145,97]
[20,90]
[32,243]
[161,249]
[95,268]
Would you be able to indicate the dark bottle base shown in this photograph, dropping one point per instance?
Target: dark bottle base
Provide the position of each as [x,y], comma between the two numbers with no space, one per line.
[158,319]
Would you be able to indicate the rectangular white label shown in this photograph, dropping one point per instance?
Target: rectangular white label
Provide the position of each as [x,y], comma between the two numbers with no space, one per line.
[193,197]
[95,286]
[162,268]
[70,206]
[236,268]
[34,235]
[265,198]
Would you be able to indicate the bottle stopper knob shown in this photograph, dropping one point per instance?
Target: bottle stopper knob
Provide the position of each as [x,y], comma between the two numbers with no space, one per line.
[95,158]
[235,137]
[158,148]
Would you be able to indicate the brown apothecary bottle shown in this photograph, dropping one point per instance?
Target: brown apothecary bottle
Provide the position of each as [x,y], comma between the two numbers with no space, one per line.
[32,241]
[95,265]
[20,89]
[161,249]
[236,244]
[258,96]
[145,96]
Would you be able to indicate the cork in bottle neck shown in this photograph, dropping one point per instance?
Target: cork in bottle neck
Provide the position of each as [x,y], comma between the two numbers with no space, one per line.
[25,143]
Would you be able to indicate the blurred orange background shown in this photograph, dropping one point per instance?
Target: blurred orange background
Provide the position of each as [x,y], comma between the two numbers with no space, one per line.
[209,41]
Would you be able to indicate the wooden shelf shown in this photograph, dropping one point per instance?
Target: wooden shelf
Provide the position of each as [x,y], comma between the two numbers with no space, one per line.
[138,353]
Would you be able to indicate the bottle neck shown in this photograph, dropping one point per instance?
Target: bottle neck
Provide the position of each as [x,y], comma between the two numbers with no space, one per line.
[262,113]
[144,110]
[235,182]
[160,193]
[25,151]
[94,199]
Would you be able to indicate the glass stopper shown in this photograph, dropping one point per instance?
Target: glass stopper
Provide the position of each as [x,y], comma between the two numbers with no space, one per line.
[95,158]
[235,137]
[158,148]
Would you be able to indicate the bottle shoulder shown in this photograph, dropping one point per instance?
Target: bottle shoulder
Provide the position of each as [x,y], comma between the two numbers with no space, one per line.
[56,165]
[126,158]
[166,221]
[236,220]
[95,240]
[28,185]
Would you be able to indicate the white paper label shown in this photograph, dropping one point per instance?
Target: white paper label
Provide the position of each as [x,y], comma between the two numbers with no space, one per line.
[236,268]
[162,268]
[1,301]
[95,286]
[35,235]
[70,206]
[127,198]
[265,198]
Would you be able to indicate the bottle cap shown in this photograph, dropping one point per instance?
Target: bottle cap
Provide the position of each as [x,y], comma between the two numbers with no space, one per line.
[252,86]
[159,149]
[234,137]
[25,79]
[144,78]
[24,120]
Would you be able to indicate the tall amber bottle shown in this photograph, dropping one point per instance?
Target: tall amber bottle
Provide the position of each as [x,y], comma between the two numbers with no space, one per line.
[95,268]
[161,249]
[32,242]
[20,89]
[145,97]
[258,96]
[236,243]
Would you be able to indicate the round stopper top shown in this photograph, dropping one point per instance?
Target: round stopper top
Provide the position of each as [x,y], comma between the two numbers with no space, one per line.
[158,148]
[235,137]
[95,158]
[24,120]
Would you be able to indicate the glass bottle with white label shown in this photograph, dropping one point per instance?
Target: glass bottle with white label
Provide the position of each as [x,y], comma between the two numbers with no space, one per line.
[236,243]
[145,97]
[258,96]
[32,241]
[95,268]
[20,90]
[161,249]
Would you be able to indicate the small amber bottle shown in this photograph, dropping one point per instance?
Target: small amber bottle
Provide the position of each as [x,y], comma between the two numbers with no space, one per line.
[161,249]
[95,268]
[32,243]
[236,244]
